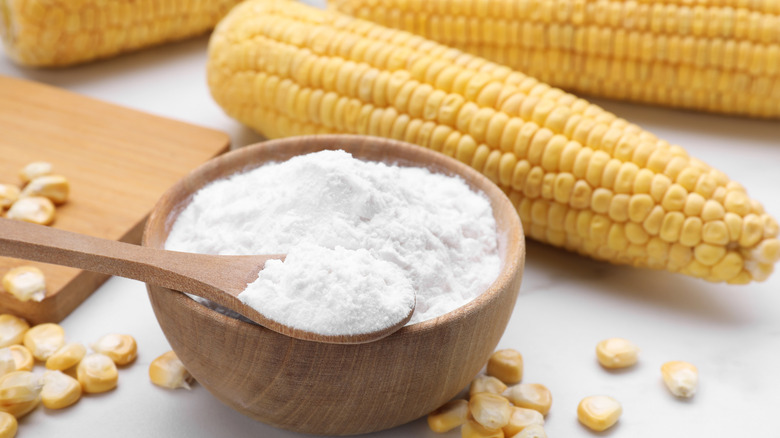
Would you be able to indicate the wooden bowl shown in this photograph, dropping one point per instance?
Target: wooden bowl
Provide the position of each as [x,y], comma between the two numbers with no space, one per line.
[335,389]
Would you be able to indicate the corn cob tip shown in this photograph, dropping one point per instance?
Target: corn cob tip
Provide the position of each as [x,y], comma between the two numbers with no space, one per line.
[580,177]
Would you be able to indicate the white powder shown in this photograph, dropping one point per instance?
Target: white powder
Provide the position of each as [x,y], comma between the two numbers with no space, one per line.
[332,291]
[356,233]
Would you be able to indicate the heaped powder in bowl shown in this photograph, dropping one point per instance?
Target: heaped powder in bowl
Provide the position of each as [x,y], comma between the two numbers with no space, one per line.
[391,226]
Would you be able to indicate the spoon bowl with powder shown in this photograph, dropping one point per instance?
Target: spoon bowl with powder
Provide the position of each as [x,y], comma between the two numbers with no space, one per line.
[223,279]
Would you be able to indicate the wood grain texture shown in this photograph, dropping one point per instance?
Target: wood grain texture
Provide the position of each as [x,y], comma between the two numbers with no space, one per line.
[119,162]
[217,278]
[335,389]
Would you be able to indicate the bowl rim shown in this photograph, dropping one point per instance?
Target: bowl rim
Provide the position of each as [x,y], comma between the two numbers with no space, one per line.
[511,242]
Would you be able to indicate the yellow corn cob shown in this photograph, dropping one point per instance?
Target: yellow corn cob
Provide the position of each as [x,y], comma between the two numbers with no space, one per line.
[720,56]
[48,33]
[580,177]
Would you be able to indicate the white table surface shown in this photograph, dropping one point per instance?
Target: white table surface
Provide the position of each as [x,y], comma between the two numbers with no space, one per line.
[568,303]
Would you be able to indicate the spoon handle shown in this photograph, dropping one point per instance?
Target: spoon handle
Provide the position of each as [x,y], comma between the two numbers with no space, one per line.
[40,243]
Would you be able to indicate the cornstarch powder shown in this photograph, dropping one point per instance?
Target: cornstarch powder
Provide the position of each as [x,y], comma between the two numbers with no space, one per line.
[360,237]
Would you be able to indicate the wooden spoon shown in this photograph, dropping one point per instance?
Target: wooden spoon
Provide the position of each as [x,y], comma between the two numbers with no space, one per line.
[215,277]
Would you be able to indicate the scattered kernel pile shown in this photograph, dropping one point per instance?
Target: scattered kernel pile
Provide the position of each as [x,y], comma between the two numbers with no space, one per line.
[499,406]
[69,369]
[34,201]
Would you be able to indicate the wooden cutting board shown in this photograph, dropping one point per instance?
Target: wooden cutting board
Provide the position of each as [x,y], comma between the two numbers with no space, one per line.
[119,162]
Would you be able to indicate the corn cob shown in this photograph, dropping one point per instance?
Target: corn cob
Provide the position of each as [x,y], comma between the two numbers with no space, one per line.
[719,56]
[48,33]
[580,177]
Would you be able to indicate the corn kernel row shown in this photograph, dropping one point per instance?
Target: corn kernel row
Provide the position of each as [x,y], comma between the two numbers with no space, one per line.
[580,177]
[717,18]
[722,45]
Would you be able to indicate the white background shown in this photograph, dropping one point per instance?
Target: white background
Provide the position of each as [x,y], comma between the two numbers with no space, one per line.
[567,304]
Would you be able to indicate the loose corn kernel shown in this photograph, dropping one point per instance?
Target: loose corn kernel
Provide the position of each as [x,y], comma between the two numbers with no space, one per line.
[8,195]
[490,410]
[530,396]
[22,356]
[44,339]
[520,419]
[8,425]
[12,329]
[59,390]
[599,412]
[617,353]
[97,373]
[54,187]
[20,392]
[34,170]
[532,431]
[506,365]
[169,372]
[122,349]
[35,209]
[25,283]
[472,429]
[7,362]
[483,383]
[682,378]
[67,356]
[449,416]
